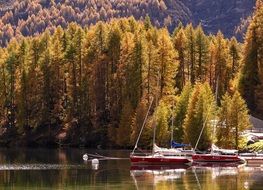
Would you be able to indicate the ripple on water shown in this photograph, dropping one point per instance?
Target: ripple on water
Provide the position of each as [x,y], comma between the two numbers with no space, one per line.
[39,167]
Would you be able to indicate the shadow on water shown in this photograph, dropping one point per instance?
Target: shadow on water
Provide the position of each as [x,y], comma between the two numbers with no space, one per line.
[65,169]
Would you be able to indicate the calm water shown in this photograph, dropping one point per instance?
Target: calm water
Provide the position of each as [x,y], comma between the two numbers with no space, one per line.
[65,169]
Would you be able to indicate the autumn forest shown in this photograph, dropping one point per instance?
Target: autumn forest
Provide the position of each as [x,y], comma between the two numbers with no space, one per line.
[90,86]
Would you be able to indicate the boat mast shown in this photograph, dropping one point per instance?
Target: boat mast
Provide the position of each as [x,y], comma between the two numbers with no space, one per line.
[201,132]
[156,105]
[172,127]
[144,122]
[216,94]
[154,136]
[214,121]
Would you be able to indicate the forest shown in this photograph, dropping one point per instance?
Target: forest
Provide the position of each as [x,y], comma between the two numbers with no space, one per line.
[93,86]
[33,17]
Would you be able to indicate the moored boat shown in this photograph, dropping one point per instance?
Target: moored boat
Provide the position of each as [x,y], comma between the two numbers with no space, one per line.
[157,157]
[218,155]
[215,158]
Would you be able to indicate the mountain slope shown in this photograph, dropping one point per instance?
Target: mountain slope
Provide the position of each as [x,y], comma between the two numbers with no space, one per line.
[31,17]
[221,14]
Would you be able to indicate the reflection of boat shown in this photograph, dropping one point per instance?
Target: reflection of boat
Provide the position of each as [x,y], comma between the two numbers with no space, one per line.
[156,174]
[218,170]
[159,167]
[216,164]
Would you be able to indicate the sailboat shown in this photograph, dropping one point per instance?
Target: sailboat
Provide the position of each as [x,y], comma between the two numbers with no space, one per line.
[155,158]
[216,154]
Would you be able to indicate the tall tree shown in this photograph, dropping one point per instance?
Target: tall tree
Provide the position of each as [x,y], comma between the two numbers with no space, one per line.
[200,113]
[11,69]
[180,46]
[180,112]
[151,67]
[166,59]
[220,59]
[201,53]
[234,51]
[233,120]
[250,75]
[191,49]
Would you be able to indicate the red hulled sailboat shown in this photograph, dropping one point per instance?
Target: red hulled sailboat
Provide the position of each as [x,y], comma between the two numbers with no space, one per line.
[155,158]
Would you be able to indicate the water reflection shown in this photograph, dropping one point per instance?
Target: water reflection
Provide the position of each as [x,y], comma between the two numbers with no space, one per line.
[65,169]
[199,176]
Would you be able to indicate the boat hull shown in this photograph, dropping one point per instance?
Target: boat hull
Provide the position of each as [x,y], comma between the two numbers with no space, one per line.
[156,160]
[215,158]
[254,161]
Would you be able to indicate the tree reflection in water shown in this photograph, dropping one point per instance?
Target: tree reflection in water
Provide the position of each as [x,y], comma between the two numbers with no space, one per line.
[65,169]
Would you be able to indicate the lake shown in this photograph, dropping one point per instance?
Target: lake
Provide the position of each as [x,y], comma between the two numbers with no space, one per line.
[65,169]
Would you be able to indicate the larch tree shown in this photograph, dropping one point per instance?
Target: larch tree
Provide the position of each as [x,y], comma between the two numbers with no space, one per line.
[23,88]
[10,102]
[167,63]
[179,41]
[179,113]
[150,67]
[202,46]
[162,124]
[233,120]
[3,87]
[191,49]
[234,51]
[221,60]
[251,73]
[124,130]
[200,114]
[114,51]
[224,131]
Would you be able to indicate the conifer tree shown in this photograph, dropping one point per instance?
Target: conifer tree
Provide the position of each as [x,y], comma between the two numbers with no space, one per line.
[147,23]
[201,53]
[137,122]
[151,67]
[23,104]
[180,112]
[166,59]
[200,113]
[233,120]
[234,52]
[162,127]
[250,75]
[10,102]
[180,46]
[114,50]
[224,131]
[46,96]
[57,68]
[126,65]
[3,87]
[221,60]
[124,129]
[191,49]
